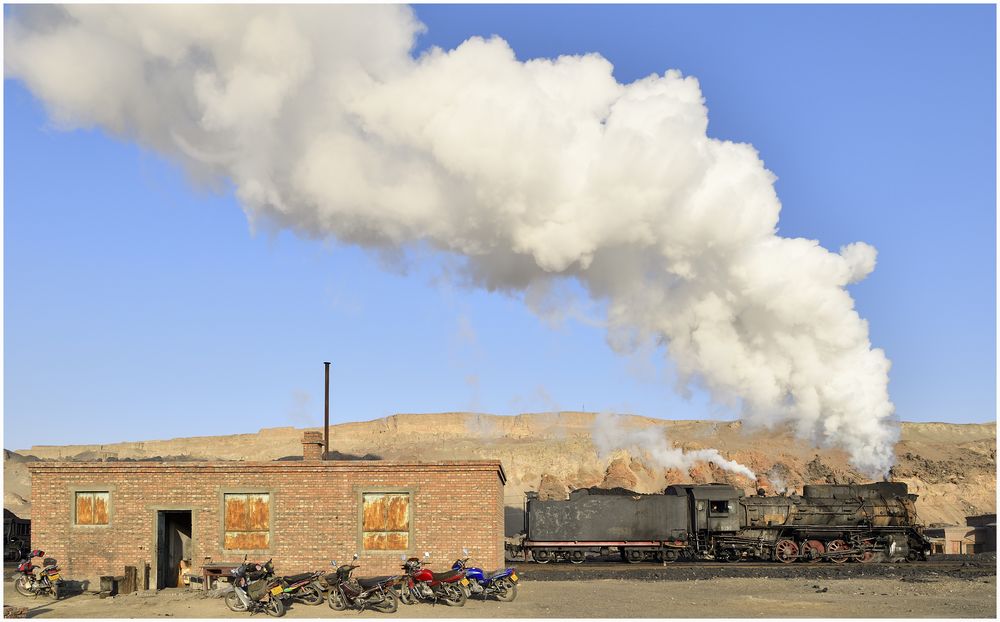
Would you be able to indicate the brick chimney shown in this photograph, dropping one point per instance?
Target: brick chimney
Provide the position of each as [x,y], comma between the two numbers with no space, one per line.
[312,445]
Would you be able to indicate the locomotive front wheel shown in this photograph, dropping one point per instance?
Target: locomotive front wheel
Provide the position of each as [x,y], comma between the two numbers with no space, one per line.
[834,547]
[786,551]
[812,551]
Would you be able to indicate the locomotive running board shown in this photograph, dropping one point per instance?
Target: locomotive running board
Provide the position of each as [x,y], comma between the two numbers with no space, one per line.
[595,543]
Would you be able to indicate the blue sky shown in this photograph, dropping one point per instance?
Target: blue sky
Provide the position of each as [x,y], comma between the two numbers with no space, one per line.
[137,306]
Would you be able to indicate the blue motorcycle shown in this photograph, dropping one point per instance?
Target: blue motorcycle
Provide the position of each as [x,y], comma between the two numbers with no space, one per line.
[500,583]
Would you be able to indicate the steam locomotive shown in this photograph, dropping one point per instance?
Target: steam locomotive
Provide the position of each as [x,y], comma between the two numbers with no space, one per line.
[834,523]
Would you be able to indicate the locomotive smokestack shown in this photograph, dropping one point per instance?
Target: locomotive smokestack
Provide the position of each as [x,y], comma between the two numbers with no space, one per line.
[326,412]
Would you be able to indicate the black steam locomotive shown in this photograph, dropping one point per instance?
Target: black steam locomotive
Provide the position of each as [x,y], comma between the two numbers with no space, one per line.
[835,523]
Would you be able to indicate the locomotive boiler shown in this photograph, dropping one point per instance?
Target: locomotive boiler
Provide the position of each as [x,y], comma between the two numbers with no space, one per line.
[834,523]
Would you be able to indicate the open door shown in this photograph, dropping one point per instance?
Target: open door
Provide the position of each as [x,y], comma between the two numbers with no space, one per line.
[173,546]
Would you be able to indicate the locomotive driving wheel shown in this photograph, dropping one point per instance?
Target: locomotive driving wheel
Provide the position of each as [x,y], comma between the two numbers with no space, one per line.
[812,551]
[835,546]
[786,551]
[867,556]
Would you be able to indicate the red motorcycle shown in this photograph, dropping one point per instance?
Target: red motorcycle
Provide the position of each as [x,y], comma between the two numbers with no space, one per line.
[34,580]
[422,584]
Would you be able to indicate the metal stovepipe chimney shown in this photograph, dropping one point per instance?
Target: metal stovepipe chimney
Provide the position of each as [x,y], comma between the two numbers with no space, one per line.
[326,412]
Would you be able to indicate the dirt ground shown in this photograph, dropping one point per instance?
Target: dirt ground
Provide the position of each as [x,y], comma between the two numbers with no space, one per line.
[932,598]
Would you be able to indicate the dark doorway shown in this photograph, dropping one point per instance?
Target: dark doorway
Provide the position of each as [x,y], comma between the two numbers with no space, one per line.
[173,546]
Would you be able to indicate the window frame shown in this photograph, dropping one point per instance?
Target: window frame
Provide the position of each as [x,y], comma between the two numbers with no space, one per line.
[270,518]
[359,494]
[92,488]
[712,511]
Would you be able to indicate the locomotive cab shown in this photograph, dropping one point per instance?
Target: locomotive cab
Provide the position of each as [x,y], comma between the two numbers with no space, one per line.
[713,507]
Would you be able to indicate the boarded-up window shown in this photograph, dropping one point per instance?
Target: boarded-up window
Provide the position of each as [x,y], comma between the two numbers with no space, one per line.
[92,508]
[385,521]
[247,521]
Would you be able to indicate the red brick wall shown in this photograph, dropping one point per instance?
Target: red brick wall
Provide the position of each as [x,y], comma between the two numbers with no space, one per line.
[315,515]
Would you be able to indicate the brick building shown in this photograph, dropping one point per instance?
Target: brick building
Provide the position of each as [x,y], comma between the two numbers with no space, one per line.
[98,517]
[978,535]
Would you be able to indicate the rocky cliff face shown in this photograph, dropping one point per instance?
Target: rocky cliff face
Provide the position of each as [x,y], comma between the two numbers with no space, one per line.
[952,467]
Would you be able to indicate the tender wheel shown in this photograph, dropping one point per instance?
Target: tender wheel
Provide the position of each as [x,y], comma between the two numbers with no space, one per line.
[541,556]
[23,586]
[577,557]
[506,591]
[454,596]
[786,551]
[389,604]
[834,547]
[812,551]
[670,556]
[311,595]
[274,608]
[234,603]
[633,556]
[336,599]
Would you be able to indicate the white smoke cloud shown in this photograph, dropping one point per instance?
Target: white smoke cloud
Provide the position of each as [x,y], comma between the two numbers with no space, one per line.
[530,172]
[609,435]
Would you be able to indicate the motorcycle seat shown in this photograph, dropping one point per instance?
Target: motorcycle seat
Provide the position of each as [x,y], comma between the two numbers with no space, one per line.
[298,577]
[444,576]
[369,582]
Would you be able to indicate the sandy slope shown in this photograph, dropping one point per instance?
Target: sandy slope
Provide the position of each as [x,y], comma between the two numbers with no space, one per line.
[952,467]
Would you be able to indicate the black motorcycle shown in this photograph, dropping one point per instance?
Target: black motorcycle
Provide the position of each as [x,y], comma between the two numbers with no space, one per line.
[376,593]
[302,588]
[254,591]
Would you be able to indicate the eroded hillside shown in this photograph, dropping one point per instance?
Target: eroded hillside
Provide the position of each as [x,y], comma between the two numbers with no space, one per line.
[952,467]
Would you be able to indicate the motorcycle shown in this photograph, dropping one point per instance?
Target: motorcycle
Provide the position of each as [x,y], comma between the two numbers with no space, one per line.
[303,588]
[34,581]
[372,592]
[254,591]
[421,584]
[500,583]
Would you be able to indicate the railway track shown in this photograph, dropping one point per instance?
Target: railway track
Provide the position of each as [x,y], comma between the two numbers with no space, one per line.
[686,571]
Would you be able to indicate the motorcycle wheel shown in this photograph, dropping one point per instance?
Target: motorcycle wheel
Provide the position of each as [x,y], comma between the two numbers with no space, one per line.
[506,591]
[274,608]
[337,602]
[406,596]
[234,603]
[454,596]
[55,591]
[23,586]
[310,595]
[389,604]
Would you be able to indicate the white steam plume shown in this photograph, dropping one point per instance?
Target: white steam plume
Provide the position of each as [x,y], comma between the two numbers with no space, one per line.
[531,172]
[651,444]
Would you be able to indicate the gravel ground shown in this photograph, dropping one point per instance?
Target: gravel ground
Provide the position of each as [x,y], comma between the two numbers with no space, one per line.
[934,597]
